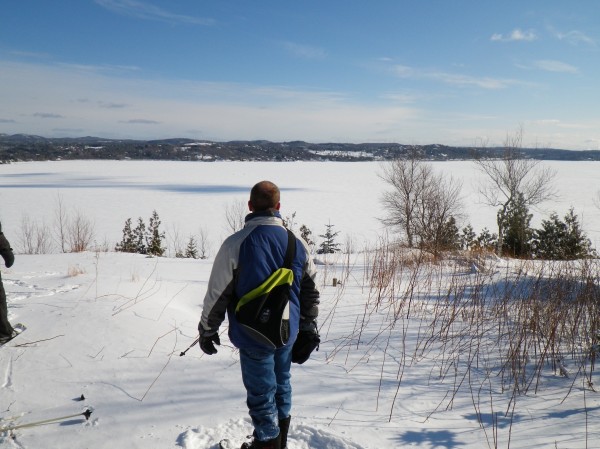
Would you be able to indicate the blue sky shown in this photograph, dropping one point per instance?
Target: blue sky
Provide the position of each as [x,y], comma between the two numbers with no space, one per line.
[416,72]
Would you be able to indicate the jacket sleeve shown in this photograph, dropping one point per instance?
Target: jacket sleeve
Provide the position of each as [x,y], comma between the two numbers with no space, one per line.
[220,291]
[6,251]
[309,295]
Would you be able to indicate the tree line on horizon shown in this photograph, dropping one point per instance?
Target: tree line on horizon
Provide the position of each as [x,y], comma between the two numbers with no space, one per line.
[19,148]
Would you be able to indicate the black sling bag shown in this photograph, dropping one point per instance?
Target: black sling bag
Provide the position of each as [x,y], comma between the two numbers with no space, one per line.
[264,311]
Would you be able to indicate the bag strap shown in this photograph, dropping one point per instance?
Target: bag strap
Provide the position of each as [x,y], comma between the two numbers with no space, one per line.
[290,253]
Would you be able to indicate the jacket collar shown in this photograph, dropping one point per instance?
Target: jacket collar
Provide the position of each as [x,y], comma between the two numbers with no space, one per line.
[271,213]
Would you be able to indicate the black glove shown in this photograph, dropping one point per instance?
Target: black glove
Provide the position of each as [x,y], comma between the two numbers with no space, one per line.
[307,341]
[207,341]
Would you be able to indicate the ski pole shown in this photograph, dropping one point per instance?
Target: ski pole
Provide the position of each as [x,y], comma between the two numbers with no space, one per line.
[190,346]
[87,413]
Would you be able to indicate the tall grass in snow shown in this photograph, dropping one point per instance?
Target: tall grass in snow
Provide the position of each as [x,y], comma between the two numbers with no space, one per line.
[494,328]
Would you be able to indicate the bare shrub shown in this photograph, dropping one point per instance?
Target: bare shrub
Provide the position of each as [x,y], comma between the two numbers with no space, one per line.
[420,204]
[61,224]
[203,243]
[175,244]
[80,233]
[75,270]
[235,215]
[35,238]
[494,328]
[513,176]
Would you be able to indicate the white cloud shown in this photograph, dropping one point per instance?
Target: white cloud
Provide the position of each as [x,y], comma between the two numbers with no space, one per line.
[555,66]
[140,121]
[401,98]
[157,109]
[403,71]
[106,104]
[453,78]
[47,115]
[576,37]
[107,69]
[514,36]
[304,51]
[466,80]
[142,10]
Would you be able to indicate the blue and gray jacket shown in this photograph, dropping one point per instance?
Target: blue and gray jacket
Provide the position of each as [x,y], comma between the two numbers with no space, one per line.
[243,262]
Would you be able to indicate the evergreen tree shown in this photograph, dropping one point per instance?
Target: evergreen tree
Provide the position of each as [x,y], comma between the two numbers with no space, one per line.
[577,244]
[468,238]
[550,238]
[154,237]
[448,237]
[191,251]
[562,240]
[306,234]
[486,240]
[516,219]
[139,237]
[329,245]
[127,244]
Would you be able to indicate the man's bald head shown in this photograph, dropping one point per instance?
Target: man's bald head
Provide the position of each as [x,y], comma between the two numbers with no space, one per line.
[264,196]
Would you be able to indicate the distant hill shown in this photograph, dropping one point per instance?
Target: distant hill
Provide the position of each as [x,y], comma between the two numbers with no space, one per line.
[24,147]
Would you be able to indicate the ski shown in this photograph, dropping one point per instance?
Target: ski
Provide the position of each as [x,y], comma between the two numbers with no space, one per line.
[18,330]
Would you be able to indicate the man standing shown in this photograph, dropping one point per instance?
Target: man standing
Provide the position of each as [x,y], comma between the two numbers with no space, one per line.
[6,330]
[243,262]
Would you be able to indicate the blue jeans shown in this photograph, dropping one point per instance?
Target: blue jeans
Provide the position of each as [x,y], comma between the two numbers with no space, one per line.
[266,376]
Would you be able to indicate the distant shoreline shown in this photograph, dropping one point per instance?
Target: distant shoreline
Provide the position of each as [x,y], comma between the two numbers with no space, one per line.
[24,147]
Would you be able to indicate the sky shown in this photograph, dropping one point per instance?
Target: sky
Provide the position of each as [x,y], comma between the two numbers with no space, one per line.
[413,72]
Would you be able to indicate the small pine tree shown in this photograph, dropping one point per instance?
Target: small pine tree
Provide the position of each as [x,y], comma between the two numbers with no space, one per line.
[487,240]
[139,237]
[289,221]
[562,240]
[468,238]
[154,237]
[306,234]
[127,244]
[329,245]
[448,235]
[577,244]
[191,251]
[516,227]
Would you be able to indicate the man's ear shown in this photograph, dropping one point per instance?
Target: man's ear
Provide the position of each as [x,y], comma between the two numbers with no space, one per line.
[277,206]
[250,208]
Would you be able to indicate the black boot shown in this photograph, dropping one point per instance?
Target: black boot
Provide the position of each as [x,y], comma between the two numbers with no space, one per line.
[275,443]
[284,426]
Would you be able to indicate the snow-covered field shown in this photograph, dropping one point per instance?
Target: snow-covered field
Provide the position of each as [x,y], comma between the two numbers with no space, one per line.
[111,326]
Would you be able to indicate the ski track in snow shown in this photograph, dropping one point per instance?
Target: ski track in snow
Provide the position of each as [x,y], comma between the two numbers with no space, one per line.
[301,436]
[7,383]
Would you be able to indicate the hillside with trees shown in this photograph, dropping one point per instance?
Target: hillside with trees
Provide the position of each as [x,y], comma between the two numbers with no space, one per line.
[22,147]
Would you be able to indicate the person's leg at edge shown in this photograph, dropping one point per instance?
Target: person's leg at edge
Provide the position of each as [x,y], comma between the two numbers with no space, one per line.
[258,375]
[6,329]
[283,397]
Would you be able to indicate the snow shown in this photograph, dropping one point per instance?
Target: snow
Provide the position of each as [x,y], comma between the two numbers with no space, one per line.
[111,326]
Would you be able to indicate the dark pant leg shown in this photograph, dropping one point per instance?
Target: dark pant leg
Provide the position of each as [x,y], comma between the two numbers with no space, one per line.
[5,327]
[283,396]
